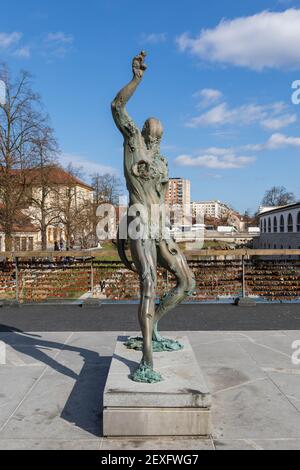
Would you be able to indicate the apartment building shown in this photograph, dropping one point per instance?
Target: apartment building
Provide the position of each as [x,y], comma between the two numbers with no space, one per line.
[212,209]
[179,192]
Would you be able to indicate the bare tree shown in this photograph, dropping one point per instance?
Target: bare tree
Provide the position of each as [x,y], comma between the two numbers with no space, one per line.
[278,196]
[106,188]
[73,208]
[42,180]
[85,231]
[20,122]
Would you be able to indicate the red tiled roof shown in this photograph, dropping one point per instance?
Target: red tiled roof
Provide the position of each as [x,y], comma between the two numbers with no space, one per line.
[58,175]
[24,223]
[55,175]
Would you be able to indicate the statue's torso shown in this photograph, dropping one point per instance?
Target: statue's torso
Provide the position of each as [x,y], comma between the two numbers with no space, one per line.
[146,175]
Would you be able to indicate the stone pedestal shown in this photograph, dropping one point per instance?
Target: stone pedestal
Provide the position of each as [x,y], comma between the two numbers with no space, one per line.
[178,406]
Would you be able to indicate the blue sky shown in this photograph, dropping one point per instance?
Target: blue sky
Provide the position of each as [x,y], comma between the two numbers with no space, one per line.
[219,77]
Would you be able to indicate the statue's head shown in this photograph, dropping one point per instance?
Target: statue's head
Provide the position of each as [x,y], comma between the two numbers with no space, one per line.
[152,132]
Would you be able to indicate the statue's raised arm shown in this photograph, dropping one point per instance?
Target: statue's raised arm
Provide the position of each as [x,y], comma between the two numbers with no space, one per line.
[123,121]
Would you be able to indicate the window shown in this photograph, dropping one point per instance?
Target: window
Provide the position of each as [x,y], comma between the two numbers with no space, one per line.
[24,243]
[275,247]
[275,225]
[298,222]
[281,223]
[265,225]
[30,243]
[17,245]
[269,225]
[262,225]
[290,223]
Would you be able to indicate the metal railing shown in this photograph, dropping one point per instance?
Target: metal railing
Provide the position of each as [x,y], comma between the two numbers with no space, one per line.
[220,274]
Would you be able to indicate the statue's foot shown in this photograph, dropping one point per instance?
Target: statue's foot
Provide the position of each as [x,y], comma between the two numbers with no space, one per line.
[159,344]
[135,343]
[145,374]
[165,344]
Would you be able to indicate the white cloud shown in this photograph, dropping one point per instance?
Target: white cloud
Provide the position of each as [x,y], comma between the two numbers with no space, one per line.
[269,116]
[208,96]
[221,159]
[88,166]
[228,158]
[275,142]
[219,151]
[264,40]
[274,124]
[57,45]
[10,44]
[9,39]
[154,38]
[281,140]
[23,52]
[215,116]
[51,45]
[60,37]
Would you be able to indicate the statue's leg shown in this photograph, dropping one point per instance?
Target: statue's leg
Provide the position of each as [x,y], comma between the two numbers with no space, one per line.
[171,258]
[144,257]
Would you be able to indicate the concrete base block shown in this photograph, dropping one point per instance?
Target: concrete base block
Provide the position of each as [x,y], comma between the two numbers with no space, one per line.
[245,302]
[121,422]
[180,405]
[88,303]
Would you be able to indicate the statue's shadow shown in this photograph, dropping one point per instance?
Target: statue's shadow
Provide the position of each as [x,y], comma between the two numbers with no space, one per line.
[84,406]
[131,365]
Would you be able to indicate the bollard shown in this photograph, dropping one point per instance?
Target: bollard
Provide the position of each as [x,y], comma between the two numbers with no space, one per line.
[244,301]
[92,276]
[17,279]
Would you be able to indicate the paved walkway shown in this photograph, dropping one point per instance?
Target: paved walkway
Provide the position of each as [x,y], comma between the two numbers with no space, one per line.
[119,317]
[52,383]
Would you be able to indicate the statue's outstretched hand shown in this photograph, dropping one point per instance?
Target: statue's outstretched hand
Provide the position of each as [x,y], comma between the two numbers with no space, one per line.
[138,65]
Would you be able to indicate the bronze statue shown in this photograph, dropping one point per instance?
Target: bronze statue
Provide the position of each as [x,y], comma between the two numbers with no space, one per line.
[146,173]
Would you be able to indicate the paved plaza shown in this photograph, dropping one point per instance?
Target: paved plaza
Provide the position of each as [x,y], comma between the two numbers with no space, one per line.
[53,381]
